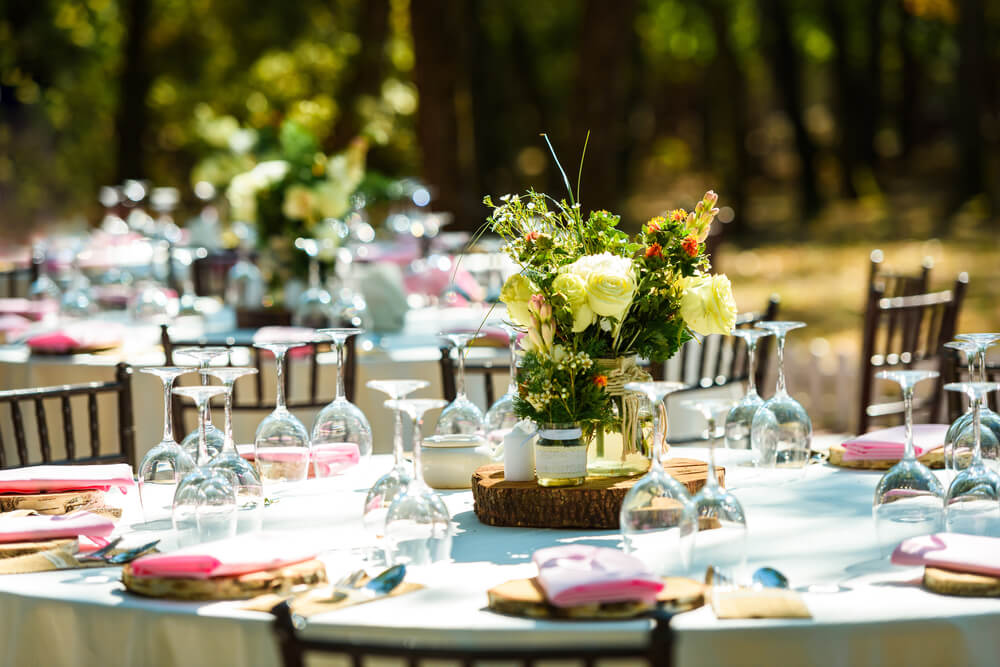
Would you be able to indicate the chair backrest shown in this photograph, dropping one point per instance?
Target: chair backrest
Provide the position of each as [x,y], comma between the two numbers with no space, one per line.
[15,281]
[717,360]
[486,368]
[120,388]
[258,399]
[658,652]
[894,283]
[901,332]
[210,273]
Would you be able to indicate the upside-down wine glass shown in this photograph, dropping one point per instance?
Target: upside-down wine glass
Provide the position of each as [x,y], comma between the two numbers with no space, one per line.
[341,434]
[249,489]
[166,463]
[314,308]
[722,526]
[781,430]
[418,524]
[385,489]
[740,416]
[204,507]
[204,356]
[281,445]
[909,498]
[972,504]
[500,418]
[657,518]
[462,416]
[990,437]
[952,462]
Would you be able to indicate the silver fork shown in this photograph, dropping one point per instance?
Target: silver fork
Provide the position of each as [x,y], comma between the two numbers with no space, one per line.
[126,556]
[100,553]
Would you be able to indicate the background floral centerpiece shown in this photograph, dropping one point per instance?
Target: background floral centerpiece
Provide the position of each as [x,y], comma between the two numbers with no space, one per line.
[593,300]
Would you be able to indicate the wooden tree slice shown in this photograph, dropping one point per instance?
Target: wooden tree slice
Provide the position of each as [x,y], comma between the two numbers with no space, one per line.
[948,582]
[13,549]
[525,597]
[52,503]
[932,459]
[594,504]
[242,587]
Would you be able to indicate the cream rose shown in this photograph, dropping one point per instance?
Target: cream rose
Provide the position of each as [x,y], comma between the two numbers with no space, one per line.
[707,304]
[610,282]
[574,288]
[516,294]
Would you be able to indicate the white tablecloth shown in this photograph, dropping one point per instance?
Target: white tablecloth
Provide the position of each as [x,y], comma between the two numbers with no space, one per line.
[818,531]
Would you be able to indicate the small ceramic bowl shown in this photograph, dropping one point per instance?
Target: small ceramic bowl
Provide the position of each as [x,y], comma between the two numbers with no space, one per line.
[448,461]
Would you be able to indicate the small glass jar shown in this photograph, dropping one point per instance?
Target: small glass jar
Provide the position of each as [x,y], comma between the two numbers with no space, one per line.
[560,455]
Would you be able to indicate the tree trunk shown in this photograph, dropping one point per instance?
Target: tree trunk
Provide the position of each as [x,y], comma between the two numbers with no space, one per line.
[132,118]
[846,104]
[603,89]
[968,102]
[909,104]
[785,64]
[367,70]
[871,102]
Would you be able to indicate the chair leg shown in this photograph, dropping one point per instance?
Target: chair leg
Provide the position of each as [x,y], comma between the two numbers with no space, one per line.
[284,628]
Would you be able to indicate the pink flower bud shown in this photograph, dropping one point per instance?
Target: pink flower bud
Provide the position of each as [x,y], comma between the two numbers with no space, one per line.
[714,212]
[711,198]
[535,338]
[548,333]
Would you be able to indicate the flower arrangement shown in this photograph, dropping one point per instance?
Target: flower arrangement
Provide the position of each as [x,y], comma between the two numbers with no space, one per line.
[592,298]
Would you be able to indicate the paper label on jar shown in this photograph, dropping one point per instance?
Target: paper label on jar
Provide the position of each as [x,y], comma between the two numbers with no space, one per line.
[559,462]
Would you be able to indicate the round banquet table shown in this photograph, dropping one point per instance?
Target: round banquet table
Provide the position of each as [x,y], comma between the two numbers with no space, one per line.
[818,531]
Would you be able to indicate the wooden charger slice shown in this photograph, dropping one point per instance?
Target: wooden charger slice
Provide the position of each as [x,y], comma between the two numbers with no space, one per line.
[594,504]
[237,587]
[967,584]
[933,458]
[52,503]
[525,597]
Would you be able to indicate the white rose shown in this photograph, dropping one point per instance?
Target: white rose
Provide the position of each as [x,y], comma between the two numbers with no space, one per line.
[707,304]
[610,283]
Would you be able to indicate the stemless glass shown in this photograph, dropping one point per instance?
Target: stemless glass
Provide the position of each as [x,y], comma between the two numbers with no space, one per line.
[740,417]
[204,506]
[461,415]
[500,418]
[385,489]
[781,431]
[281,446]
[204,356]
[973,501]
[165,464]
[908,498]
[721,539]
[249,489]
[417,525]
[341,434]
[314,308]
[657,518]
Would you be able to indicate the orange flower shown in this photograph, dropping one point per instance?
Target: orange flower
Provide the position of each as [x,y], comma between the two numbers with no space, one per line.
[678,215]
[655,224]
[690,245]
[655,250]
[601,381]
[532,236]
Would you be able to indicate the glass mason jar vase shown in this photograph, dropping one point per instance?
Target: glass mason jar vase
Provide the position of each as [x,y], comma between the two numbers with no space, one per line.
[621,450]
[560,455]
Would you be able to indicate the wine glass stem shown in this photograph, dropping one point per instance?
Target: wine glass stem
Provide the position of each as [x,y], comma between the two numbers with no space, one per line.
[711,480]
[781,364]
[228,445]
[340,369]
[460,384]
[204,381]
[512,387]
[279,362]
[418,439]
[982,375]
[203,433]
[397,441]
[908,453]
[976,431]
[751,368]
[168,416]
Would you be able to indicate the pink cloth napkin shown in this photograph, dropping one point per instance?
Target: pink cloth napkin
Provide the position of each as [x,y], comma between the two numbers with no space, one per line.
[55,478]
[217,559]
[336,457]
[951,551]
[49,527]
[577,574]
[33,310]
[89,335]
[888,443]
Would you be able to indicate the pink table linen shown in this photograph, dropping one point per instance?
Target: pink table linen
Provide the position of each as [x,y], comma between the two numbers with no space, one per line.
[888,443]
[56,478]
[87,335]
[951,551]
[577,574]
[49,527]
[217,559]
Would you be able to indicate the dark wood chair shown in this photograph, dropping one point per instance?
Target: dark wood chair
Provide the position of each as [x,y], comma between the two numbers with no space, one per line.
[484,368]
[15,281]
[658,652]
[719,360]
[120,388]
[958,371]
[892,282]
[903,332]
[210,273]
[258,399]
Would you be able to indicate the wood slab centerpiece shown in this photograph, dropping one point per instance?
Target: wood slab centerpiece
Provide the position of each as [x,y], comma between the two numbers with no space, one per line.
[594,504]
